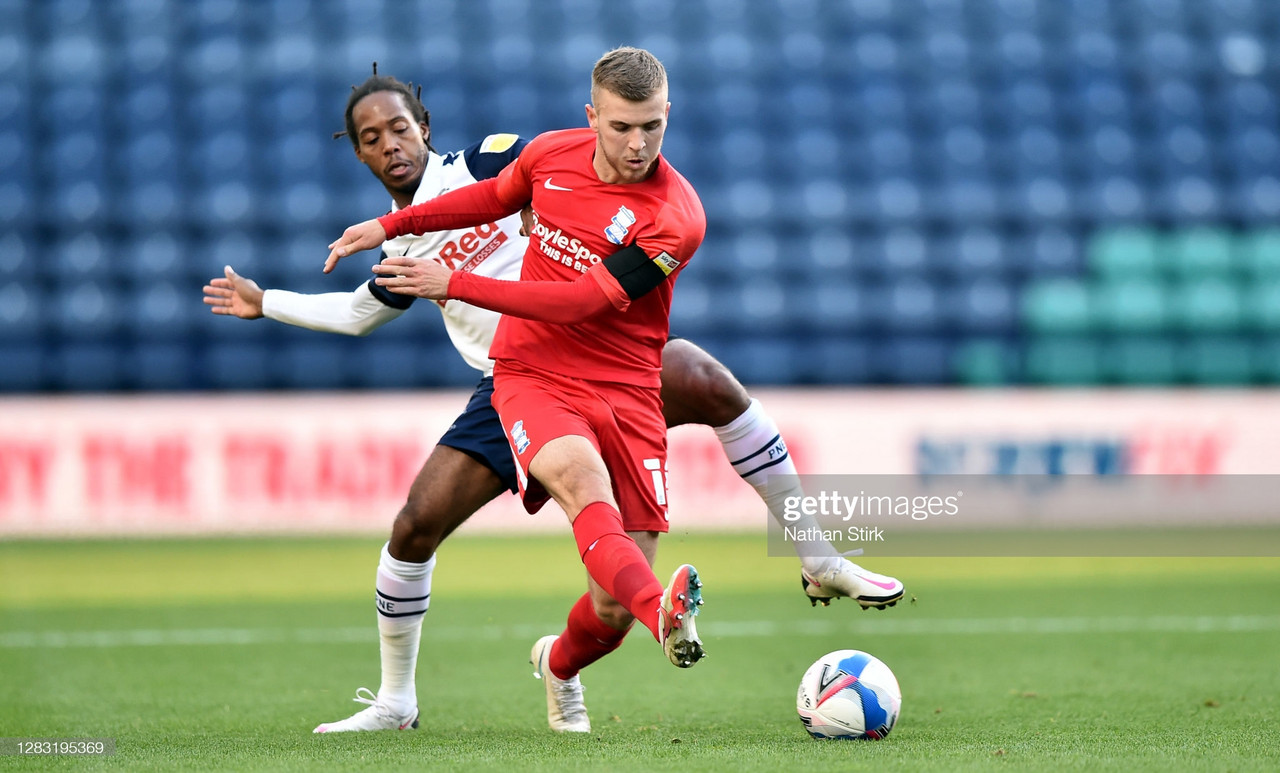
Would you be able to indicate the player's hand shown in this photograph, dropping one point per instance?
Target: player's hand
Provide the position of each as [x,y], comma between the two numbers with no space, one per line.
[526,221]
[361,236]
[414,276]
[234,295]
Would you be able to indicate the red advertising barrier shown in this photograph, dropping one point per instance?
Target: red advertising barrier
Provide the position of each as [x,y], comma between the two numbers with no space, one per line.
[343,462]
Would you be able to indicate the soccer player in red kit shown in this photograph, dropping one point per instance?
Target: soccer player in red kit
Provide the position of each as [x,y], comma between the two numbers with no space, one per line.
[578,351]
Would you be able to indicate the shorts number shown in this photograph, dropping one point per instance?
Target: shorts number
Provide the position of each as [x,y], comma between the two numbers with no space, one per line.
[659,472]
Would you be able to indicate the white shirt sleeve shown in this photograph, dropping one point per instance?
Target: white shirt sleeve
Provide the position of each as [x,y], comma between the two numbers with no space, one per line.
[356,313]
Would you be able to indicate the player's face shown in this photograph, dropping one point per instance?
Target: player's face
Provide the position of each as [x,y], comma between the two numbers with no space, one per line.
[628,135]
[391,143]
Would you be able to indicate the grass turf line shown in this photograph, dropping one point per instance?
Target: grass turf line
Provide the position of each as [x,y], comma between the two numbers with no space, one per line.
[1127,700]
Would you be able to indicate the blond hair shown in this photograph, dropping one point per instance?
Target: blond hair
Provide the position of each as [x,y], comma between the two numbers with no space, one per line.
[632,73]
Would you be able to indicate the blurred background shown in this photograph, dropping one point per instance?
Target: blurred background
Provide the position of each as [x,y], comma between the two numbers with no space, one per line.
[990,192]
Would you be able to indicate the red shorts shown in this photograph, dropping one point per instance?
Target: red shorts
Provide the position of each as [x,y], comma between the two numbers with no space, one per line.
[622,421]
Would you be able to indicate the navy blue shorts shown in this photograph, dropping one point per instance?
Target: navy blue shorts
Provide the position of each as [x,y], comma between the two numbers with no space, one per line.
[478,433]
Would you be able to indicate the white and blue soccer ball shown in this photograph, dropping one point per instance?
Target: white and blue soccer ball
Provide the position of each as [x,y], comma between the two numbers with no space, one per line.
[849,694]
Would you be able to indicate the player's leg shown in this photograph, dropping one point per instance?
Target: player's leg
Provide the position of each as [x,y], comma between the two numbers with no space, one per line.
[450,487]
[471,465]
[574,474]
[552,425]
[698,389]
[596,626]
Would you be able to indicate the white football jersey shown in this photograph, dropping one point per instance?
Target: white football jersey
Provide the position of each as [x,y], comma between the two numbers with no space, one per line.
[494,249]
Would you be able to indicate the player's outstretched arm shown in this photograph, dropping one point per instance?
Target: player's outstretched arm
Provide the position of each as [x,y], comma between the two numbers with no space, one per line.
[560,303]
[618,280]
[356,313]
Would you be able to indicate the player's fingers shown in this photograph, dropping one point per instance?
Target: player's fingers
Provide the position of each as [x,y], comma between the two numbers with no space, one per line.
[331,261]
[379,268]
[398,260]
[229,272]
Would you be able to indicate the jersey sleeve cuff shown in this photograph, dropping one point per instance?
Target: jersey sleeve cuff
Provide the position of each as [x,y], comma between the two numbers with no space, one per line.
[612,290]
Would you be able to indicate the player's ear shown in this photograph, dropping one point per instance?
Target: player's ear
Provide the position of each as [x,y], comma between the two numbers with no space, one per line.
[426,132]
[592,117]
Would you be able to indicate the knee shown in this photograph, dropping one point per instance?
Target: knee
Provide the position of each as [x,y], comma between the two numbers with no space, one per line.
[707,391]
[418,530]
[613,614]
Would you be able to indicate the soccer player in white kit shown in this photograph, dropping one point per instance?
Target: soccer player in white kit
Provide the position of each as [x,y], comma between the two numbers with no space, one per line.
[471,464]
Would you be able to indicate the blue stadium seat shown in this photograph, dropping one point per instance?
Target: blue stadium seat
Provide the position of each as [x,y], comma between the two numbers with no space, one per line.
[160,309]
[914,360]
[88,367]
[836,360]
[245,365]
[25,366]
[89,310]
[1050,252]
[832,254]
[223,158]
[767,360]
[896,252]
[317,363]
[167,366]
[914,307]
[970,252]
[22,310]
[832,307]
[18,259]
[984,305]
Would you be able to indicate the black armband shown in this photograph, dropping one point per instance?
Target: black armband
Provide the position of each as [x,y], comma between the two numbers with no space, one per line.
[394,300]
[636,272]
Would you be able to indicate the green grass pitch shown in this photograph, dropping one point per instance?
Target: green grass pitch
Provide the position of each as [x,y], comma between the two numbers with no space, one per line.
[223,654]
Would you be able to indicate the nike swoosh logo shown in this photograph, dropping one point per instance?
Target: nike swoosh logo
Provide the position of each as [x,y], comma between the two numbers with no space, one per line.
[884,585]
[553,187]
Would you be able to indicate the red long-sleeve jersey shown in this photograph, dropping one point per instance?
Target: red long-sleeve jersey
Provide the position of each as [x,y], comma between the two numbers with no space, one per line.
[584,329]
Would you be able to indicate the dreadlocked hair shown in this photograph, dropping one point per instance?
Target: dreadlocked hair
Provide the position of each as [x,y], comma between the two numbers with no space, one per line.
[372,85]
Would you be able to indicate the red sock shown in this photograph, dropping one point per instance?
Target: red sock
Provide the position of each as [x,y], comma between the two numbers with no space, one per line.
[616,563]
[585,640]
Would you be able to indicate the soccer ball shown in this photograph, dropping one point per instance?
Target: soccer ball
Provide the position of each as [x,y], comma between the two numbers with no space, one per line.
[850,695]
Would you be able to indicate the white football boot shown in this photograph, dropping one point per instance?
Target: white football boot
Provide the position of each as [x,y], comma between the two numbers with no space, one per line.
[566,713]
[680,602]
[849,580]
[378,716]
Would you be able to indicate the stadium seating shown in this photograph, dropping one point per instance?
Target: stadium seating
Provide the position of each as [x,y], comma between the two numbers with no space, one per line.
[897,192]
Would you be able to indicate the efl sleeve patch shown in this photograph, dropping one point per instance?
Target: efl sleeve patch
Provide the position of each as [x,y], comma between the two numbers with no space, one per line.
[491,155]
[497,143]
[636,272]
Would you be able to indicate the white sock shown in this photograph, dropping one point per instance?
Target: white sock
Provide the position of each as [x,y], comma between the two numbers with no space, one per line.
[404,594]
[759,454]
